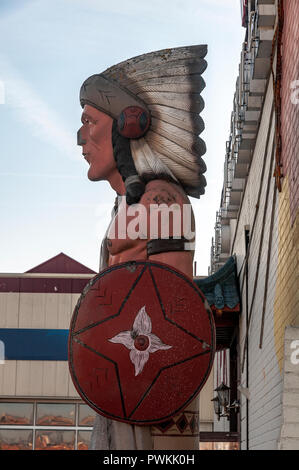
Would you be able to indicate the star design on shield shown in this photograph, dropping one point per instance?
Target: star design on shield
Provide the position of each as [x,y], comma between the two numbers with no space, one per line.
[142,304]
[140,340]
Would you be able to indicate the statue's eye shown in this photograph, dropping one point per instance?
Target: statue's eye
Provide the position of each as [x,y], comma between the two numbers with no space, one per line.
[87,120]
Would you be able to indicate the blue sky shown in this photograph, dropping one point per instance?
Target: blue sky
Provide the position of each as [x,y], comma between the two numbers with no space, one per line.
[48,48]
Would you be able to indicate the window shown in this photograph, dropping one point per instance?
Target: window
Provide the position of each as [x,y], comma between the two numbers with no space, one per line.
[54,440]
[83,440]
[16,413]
[55,414]
[15,439]
[219,441]
[219,446]
[86,415]
[45,425]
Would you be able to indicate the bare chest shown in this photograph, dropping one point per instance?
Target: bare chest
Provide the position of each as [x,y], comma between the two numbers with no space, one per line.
[122,245]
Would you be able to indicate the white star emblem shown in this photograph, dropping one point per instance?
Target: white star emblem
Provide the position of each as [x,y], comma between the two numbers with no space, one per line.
[140,340]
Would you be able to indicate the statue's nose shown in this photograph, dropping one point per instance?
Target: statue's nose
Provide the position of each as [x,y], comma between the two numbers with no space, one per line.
[80,141]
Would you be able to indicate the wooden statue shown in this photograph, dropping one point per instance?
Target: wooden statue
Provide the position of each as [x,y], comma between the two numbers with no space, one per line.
[140,127]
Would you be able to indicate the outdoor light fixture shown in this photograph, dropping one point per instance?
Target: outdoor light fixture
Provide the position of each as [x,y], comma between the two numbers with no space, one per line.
[223,392]
[221,402]
[217,407]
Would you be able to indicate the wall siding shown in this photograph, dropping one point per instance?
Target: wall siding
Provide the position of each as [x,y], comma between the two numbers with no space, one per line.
[36,310]
[267,405]
[265,382]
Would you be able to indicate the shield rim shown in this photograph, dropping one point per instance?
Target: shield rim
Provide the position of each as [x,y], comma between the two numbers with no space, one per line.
[73,321]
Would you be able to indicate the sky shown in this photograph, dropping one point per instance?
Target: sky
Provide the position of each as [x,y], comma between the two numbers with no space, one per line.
[48,48]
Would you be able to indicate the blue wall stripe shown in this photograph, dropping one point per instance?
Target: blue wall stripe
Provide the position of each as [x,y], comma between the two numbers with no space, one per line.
[34,344]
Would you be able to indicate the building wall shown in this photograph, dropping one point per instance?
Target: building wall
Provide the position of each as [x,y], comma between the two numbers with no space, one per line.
[286,310]
[274,240]
[36,310]
[206,411]
[264,379]
[39,406]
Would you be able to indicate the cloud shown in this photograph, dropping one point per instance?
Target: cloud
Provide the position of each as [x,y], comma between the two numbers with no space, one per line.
[33,111]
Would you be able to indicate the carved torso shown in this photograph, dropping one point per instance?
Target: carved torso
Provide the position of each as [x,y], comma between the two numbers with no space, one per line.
[122,247]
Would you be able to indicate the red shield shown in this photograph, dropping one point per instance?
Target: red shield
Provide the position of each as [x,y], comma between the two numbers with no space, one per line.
[141,342]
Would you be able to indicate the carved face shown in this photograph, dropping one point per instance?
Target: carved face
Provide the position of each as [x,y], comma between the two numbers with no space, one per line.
[95,137]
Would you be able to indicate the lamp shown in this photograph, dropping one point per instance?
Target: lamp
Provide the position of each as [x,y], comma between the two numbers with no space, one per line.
[217,407]
[223,392]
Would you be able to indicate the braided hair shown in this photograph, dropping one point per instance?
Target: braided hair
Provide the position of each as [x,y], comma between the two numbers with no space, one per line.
[135,186]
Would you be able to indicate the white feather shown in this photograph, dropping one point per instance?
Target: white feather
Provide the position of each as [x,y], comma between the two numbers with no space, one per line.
[181,137]
[167,70]
[185,101]
[141,164]
[182,174]
[146,161]
[158,58]
[172,151]
[169,82]
[191,122]
[180,84]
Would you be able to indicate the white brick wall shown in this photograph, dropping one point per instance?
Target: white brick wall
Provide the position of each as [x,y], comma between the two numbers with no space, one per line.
[265,381]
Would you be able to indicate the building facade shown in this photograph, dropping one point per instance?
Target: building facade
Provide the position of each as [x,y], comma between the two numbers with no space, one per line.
[258,223]
[39,406]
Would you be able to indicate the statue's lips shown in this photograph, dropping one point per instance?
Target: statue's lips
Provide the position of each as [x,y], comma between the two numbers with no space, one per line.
[86,157]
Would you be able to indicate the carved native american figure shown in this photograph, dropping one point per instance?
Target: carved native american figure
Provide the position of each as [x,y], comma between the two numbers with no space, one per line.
[140,132]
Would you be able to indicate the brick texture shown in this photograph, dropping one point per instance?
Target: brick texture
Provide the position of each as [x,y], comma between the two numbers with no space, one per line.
[289,96]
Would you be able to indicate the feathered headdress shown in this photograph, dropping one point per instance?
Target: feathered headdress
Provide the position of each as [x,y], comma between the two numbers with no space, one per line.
[168,85]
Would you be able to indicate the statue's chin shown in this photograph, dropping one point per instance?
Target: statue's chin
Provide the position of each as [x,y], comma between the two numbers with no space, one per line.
[93,177]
